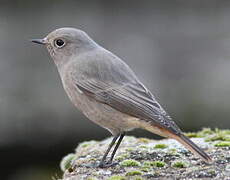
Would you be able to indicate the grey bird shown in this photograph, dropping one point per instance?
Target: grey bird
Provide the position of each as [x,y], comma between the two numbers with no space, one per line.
[106,90]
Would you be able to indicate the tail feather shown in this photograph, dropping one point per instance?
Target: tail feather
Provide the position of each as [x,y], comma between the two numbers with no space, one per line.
[180,138]
[193,147]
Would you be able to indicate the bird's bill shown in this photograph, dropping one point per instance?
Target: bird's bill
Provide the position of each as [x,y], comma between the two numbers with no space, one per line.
[39,41]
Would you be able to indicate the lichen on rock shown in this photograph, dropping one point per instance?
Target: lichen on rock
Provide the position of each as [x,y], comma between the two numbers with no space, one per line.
[141,158]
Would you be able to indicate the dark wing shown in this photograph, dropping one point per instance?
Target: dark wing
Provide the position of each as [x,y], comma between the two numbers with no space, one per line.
[131,98]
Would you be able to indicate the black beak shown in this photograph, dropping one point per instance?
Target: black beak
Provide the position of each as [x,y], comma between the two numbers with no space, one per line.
[38,41]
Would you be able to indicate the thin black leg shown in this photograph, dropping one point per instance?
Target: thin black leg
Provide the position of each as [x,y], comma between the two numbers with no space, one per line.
[116,147]
[102,162]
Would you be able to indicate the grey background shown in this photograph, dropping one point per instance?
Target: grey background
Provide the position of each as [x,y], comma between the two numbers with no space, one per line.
[179,49]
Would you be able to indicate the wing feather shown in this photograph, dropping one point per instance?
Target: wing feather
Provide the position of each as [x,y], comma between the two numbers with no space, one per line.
[129,98]
[106,78]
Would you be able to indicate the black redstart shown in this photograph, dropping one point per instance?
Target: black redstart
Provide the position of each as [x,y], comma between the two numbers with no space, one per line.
[106,90]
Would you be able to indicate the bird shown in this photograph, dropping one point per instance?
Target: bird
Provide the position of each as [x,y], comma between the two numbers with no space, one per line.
[108,92]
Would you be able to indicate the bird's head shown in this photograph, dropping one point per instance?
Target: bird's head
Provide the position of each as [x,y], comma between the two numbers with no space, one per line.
[66,43]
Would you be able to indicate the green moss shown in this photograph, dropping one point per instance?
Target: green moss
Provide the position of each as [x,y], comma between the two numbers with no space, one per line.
[219,136]
[92,159]
[130,149]
[147,164]
[92,178]
[66,161]
[154,163]
[117,178]
[143,140]
[204,132]
[222,144]
[212,135]
[179,164]
[144,147]
[160,146]
[158,163]
[87,144]
[192,134]
[130,163]
[173,151]
[122,157]
[223,131]
[133,173]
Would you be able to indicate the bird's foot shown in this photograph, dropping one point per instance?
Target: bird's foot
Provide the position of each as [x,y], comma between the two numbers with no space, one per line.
[107,164]
[101,165]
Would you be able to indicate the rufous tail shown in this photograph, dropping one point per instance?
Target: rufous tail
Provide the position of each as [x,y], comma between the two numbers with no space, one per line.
[180,138]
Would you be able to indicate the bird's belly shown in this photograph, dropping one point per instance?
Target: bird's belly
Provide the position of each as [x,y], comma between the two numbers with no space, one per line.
[102,114]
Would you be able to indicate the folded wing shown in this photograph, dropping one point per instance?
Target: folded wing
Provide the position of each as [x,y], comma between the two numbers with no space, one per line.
[130,98]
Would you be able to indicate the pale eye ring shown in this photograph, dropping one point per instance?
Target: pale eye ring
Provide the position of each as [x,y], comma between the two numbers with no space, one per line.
[59,43]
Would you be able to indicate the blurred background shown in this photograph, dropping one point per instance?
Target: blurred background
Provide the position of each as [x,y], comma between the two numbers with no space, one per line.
[179,49]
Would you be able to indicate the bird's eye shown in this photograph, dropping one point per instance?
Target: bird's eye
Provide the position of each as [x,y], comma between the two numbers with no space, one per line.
[59,43]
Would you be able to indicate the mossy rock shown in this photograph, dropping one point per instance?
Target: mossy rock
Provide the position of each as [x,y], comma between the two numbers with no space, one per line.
[180,164]
[141,158]
[160,146]
[130,163]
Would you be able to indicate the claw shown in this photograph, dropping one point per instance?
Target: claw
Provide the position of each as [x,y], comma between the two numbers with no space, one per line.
[100,165]
[107,164]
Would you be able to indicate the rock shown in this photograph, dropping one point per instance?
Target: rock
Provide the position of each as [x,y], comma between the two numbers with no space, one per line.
[141,158]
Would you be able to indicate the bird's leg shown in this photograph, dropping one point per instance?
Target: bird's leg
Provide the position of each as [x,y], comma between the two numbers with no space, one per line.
[116,147]
[102,162]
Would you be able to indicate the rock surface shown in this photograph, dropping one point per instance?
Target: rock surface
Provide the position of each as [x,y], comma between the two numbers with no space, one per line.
[141,158]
